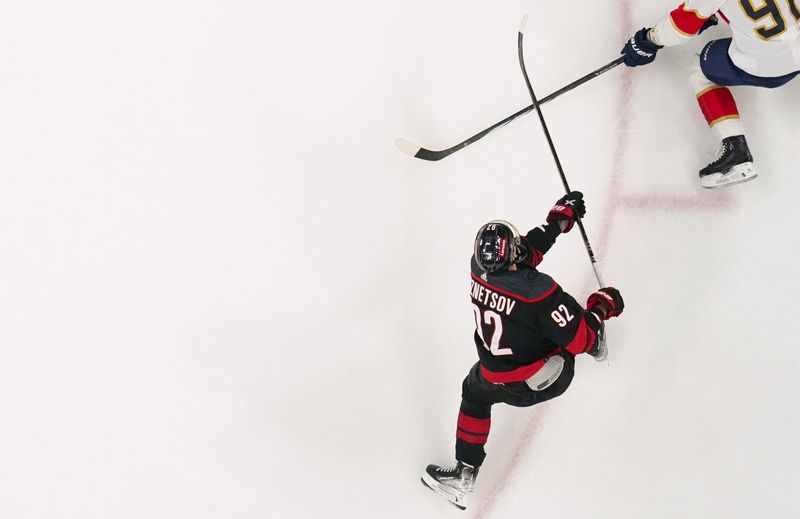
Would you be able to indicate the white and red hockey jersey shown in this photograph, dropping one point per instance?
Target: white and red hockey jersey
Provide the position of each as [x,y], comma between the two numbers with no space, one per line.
[766,33]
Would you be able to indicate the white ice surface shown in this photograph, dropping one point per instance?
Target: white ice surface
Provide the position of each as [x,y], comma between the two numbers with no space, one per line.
[224,293]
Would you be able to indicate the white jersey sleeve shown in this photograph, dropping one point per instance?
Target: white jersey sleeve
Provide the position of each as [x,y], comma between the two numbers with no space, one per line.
[766,33]
[684,22]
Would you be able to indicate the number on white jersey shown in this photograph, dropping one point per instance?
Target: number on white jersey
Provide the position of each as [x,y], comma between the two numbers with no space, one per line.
[776,25]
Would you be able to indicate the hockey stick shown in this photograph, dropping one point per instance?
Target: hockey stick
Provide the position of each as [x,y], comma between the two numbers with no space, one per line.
[419,152]
[536,105]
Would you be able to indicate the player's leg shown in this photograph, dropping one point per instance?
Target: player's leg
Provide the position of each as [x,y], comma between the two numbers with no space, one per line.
[711,73]
[733,163]
[478,395]
[474,422]
[526,394]
[456,482]
[475,416]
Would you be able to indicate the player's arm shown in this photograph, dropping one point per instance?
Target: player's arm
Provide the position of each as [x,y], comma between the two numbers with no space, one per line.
[560,219]
[574,328]
[681,25]
[685,22]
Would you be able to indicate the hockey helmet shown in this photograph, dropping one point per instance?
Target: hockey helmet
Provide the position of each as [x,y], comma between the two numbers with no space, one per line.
[498,246]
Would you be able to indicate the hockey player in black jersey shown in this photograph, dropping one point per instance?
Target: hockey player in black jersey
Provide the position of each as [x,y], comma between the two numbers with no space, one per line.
[528,331]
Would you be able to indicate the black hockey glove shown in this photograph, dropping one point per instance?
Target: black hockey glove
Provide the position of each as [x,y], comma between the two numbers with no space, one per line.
[567,209]
[639,50]
[606,302]
[711,22]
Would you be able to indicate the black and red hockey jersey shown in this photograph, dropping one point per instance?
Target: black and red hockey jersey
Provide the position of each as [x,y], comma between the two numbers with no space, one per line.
[523,317]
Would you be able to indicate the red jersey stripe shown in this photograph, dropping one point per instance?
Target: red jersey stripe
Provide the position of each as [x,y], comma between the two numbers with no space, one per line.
[687,22]
[584,338]
[537,258]
[516,375]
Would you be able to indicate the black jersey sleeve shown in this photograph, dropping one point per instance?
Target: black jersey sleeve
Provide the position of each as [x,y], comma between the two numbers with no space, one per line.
[538,241]
[564,321]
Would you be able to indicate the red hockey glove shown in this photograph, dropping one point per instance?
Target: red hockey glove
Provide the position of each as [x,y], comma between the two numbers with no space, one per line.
[607,301]
[567,209]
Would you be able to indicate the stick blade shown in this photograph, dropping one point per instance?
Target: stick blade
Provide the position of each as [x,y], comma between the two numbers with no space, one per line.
[407,147]
[522,24]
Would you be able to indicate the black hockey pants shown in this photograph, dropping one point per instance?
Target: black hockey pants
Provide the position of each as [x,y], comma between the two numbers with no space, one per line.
[479,395]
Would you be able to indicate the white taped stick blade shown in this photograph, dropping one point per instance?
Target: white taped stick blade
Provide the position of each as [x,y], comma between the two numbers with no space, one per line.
[406,146]
[523,23]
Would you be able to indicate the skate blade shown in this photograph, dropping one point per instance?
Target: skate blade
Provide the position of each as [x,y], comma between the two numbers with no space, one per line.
[737,175]
[455,500]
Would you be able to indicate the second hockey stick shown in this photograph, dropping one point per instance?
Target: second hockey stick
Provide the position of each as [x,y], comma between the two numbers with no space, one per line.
[536,105]
[419,152]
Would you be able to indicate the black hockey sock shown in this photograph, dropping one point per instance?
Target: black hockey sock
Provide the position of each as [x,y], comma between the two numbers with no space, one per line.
[471,436]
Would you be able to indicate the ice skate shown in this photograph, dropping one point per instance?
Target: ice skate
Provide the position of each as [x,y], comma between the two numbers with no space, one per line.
[453,483]
[733,165]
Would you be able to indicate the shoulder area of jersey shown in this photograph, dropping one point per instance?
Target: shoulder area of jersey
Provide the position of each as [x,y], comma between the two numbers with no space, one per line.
[527,286]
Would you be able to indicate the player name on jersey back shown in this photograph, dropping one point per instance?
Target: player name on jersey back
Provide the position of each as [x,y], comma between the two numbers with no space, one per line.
[491,299]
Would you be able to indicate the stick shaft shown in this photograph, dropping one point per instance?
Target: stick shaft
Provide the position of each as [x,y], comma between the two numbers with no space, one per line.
[434,155]
[537,105]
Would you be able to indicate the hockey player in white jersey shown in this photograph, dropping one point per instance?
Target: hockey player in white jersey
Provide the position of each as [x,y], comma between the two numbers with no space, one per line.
[764,51]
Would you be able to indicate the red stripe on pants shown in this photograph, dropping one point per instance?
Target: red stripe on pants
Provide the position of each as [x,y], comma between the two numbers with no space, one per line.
[716,104]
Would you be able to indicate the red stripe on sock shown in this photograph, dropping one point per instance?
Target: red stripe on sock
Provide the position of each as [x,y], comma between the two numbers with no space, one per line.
[474,425]
[471,438]
[717,103]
